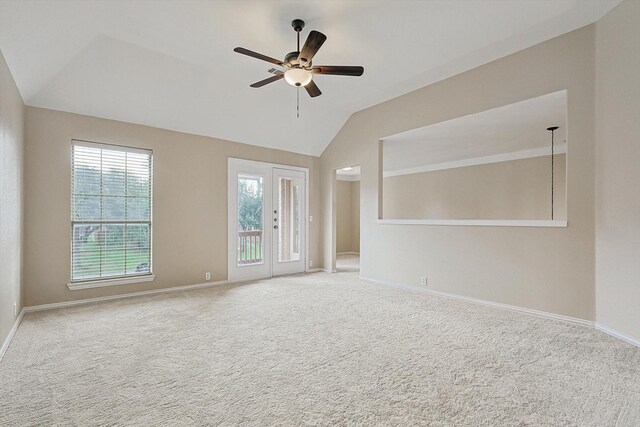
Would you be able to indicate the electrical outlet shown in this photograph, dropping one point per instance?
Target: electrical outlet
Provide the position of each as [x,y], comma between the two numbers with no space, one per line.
[207,276]
[311,218]
[423,280]
[310,263]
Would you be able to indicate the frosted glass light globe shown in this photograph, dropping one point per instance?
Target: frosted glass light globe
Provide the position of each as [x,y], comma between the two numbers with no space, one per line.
[297,77]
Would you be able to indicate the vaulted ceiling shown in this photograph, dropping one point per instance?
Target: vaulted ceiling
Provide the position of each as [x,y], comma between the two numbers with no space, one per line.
[170,64]
[520,127]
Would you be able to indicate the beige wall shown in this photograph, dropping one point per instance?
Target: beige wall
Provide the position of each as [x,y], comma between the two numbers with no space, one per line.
[348,216]
[549,269]
[11,197]
[618,169]
[516,189]
[189,206]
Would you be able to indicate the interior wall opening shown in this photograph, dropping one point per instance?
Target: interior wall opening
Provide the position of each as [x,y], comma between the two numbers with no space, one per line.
[348,219]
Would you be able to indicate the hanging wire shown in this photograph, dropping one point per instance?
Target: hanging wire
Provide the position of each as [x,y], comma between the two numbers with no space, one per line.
[553,130]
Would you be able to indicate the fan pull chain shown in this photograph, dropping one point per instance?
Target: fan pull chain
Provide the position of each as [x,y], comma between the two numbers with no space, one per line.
[298,102]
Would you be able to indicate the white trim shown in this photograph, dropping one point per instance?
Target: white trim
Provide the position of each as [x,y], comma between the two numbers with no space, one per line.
[74,286]
[273,165]
[543,314]
[495,158]
[477,222]
[529,311]
[104,146]
[120,281]
[63,304]
[281,268]
[236,168]
[307,219]
[12,332]
[619,335]
[239,163]
[347,253]
[323,270]
[352,178]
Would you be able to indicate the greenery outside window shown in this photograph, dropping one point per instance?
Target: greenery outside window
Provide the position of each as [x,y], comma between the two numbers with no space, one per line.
[111,190]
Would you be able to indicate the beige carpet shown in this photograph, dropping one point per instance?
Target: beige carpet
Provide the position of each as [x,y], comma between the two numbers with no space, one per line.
[312,350]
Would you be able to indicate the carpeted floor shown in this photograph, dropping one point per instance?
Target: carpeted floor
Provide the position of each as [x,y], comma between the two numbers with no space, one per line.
[347,262]
[318,349]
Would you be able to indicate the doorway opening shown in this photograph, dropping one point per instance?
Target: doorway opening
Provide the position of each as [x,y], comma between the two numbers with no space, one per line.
[267,220]
[348,219]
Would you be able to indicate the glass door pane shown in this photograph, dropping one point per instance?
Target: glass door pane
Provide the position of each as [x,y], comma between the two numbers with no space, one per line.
[289,227]
[289,201]
[250,226]
[250,245]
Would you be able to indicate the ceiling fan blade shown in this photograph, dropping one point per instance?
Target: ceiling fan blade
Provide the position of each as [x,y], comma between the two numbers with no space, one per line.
[257,55]
[311,46]
[338,70]
[269,80]
[312,89]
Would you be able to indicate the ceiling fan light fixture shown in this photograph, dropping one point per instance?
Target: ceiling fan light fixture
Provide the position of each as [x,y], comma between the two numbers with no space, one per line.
[297,77]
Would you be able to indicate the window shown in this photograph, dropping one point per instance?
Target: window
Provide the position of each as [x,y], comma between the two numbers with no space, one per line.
[110,211]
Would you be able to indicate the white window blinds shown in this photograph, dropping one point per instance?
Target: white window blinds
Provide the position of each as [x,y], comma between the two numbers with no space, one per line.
[110,211]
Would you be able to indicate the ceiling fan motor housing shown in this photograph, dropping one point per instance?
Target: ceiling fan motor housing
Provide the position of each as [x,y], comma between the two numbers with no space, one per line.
[291,58]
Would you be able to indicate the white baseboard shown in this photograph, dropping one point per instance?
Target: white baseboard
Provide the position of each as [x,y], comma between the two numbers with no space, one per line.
[347,253]
[318,270]
[120,296]
[12,332]
[16,324]
[619,335]
[538,313]
[63,304]
[543,314]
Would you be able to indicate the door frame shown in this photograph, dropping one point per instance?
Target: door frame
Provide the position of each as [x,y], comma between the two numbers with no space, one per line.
[291,266]
[234,163]
[333,249]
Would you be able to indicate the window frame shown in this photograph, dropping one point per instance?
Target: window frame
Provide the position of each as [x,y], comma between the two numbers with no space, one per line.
[86,283]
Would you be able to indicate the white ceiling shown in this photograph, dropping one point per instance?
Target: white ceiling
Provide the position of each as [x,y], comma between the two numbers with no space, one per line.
[512,128]
[351,173]
[171,64]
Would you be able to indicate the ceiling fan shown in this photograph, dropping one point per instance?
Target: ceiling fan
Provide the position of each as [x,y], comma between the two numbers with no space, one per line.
[299,67]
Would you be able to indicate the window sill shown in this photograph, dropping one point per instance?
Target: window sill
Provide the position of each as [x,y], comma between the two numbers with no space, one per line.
[74,286]
[477,222]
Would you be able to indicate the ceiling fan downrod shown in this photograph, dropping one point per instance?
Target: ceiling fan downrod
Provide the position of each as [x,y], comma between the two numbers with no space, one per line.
[298,25]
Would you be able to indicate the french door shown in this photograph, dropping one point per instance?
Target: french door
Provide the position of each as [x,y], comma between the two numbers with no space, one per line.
[267,220]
